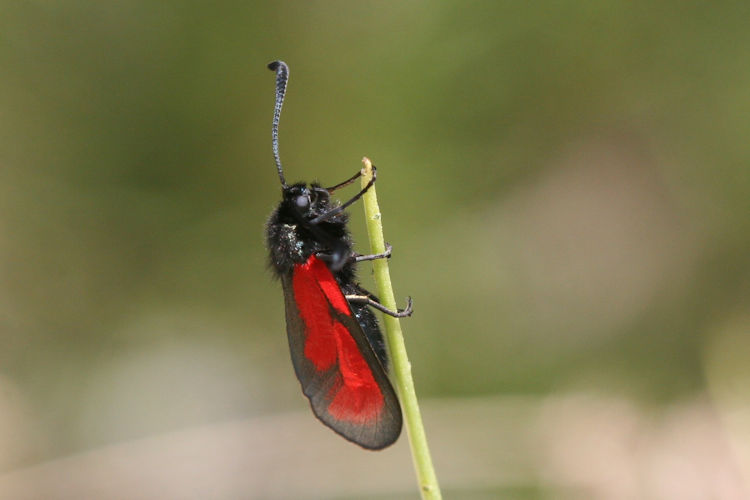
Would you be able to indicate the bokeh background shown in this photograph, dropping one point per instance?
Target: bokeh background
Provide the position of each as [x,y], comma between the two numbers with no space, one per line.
[566,186]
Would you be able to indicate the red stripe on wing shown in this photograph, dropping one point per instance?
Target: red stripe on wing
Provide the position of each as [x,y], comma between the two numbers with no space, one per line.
[354,396]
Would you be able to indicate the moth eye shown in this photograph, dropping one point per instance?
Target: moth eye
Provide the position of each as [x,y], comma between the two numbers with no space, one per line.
[302,201]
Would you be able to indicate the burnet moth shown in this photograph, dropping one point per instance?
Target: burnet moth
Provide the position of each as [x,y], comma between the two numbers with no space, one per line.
[337,349]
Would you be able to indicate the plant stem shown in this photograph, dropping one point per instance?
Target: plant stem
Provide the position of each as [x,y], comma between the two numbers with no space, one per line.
[400,366]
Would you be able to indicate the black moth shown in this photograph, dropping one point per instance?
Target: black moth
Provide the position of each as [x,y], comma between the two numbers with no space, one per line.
[336,346]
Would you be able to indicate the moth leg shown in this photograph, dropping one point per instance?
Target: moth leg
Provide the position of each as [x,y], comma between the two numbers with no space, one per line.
[364,299]
[343,206]
[345,183]
[384,255]
[334,258]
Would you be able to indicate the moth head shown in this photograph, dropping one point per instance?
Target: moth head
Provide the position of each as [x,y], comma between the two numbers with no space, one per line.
[308,201]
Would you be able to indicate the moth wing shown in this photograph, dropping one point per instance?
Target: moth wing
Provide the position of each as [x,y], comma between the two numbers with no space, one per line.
[340,374]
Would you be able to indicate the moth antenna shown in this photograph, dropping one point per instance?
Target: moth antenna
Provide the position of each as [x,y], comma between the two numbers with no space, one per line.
[282,76]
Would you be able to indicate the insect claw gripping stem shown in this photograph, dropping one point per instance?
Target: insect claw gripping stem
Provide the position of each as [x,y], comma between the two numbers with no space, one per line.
[384,255]
[364,299]
[344,206]
[356,257]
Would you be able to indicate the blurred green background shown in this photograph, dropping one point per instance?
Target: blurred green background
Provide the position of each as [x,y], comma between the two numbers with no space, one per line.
[566,186]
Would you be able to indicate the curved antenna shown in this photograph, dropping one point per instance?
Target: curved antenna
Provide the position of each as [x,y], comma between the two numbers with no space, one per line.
[282,76]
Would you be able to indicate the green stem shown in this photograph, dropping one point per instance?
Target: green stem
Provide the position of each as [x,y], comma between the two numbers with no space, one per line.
[400,366]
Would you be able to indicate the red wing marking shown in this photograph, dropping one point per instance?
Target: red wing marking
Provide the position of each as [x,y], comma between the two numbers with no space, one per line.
[354,395]
[317,271]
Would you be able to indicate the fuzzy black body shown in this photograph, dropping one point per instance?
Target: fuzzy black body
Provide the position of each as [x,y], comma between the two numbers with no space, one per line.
[291,240]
